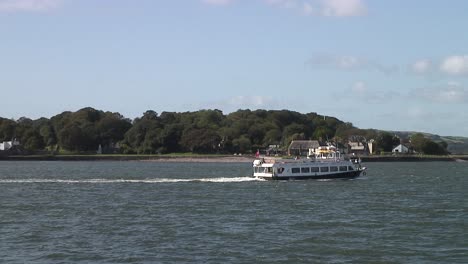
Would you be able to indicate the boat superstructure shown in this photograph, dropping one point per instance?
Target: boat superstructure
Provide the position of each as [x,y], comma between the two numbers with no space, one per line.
[327,163]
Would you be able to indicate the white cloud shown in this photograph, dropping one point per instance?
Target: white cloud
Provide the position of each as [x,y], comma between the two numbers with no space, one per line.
[308,9]
[359,92]
[217,2]
[359,87]
[329,8]
[28,5]
[421,66]
[452,92]
[254,101]
[349,62]
[416,112]
[282,3]
[455,65]
[343,8]
[244,102]
[424,118]
[345,62]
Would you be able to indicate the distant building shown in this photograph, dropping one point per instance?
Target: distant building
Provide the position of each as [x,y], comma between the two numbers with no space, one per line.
[357,148]
[303,147]
[6,145]
[273,150]
[401,149]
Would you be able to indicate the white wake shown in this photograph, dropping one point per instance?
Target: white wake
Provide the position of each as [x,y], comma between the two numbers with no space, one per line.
[104,181]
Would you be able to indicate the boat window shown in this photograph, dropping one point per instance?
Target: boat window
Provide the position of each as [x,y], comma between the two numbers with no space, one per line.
[295,170]
[314,169]
[280,170]
[333,168]
[323,169]
[305,170]
[343,168]
[350,168]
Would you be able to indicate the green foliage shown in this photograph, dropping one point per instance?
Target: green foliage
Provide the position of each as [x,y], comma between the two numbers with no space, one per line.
[426,146]
[386,141]
[142,138]
[417,141]
[200,140]
[204,131]
[242,145]
[7,129]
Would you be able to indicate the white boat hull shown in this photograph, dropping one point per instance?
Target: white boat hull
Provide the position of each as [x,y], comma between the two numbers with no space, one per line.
[306,169]
[342,175]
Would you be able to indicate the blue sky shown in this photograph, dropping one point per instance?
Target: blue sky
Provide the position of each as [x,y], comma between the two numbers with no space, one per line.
[395,65]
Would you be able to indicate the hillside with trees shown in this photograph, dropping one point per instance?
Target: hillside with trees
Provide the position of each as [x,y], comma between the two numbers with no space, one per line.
[204,131]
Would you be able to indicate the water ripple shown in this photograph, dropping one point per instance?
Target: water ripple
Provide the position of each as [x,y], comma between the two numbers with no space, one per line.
[124,212]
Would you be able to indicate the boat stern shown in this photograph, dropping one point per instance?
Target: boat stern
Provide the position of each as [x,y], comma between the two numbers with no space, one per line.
[263,169]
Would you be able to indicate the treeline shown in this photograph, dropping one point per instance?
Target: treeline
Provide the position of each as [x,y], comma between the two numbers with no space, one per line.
[204,131]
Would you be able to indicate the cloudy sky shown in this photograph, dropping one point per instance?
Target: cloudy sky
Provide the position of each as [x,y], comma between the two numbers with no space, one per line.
[395,65]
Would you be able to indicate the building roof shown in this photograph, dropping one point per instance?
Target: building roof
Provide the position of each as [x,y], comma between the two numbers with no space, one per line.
[402,146]
[356,145]
[304,144]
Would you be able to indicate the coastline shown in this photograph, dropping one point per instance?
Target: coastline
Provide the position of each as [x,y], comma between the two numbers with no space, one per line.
[211,158]
[142,158]
[413,158]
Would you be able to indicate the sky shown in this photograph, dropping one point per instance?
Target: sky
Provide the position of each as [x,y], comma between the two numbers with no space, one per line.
[390,65]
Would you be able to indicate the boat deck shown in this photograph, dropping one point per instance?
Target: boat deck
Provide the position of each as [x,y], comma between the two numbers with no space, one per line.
[295,161]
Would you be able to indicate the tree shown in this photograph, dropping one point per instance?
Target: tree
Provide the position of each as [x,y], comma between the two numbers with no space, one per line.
[71,137]
[386,141]
[48,135]
[200,140]
[432,148]
[418,141]
[142,136]
[242,145]
[112,128]
[424,145]
[169,138]
[323,133]
[272,137]
[33,141]
[292,132]
[203,131]
[7,129]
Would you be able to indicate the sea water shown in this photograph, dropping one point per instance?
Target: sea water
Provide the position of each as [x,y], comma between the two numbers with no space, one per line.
[154,212]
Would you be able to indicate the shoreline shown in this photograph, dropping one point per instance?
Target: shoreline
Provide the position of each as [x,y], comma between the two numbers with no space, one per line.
[142,158]
[211,158]
[413,158]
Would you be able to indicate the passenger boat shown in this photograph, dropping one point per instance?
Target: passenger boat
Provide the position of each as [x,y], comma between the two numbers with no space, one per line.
[326,163]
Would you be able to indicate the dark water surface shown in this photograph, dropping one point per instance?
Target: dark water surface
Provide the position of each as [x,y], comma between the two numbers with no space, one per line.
[145,212]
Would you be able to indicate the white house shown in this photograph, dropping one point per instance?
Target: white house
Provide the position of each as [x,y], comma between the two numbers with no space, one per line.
[357,147]
[400,149]
[6,145]
[303,147]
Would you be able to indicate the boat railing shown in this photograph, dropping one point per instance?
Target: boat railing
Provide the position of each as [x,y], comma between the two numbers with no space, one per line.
[319,157]
[328,155]
[261,161]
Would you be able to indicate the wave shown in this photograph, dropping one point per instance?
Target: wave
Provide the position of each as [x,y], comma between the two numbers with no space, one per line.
[103,181]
